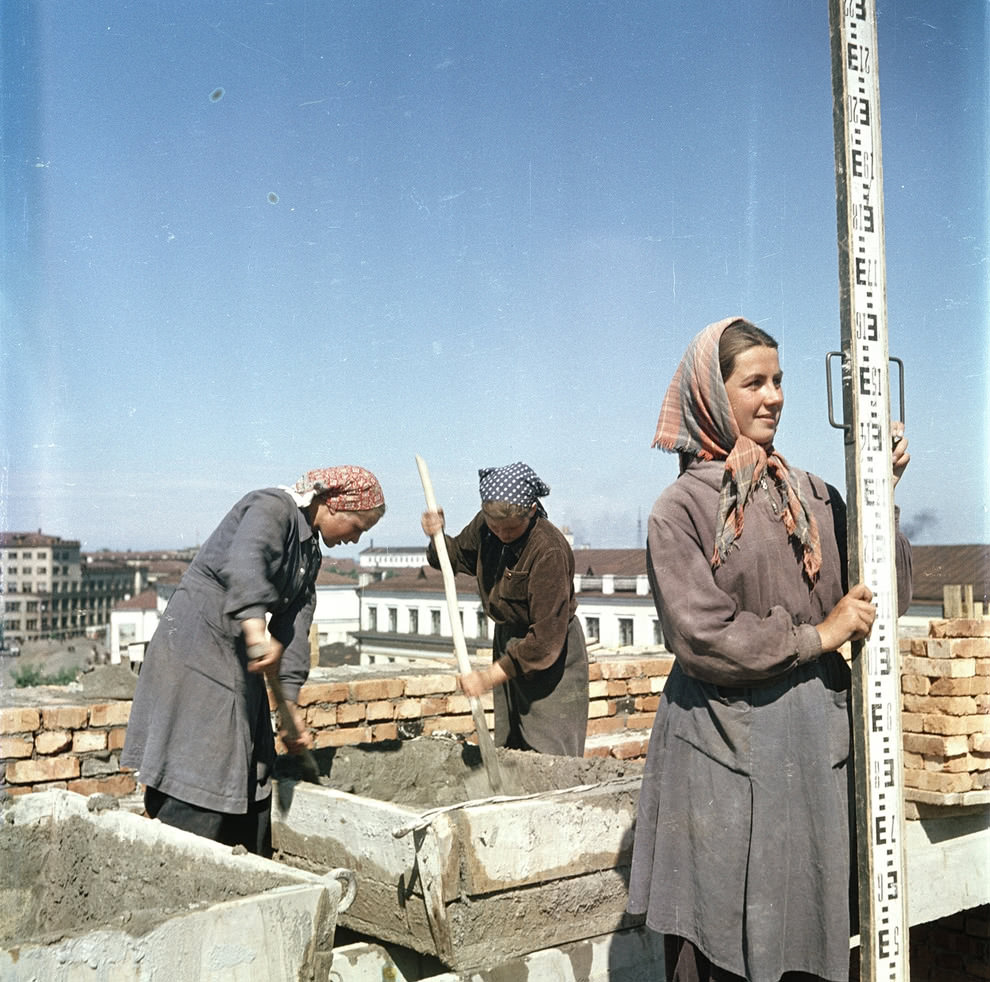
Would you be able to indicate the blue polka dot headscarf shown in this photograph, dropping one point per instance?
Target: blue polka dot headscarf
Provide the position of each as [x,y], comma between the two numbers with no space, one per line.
[516,483]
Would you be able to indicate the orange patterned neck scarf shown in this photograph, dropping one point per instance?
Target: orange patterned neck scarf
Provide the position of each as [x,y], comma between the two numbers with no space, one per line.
[696,421]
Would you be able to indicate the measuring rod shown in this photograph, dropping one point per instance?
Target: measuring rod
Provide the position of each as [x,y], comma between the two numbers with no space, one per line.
[870,530]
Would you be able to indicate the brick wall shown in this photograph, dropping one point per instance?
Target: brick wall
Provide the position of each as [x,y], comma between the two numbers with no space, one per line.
[402,703]
[78,746]
[64,746]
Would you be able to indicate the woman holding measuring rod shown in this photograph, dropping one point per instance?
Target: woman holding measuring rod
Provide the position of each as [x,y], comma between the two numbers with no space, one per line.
[525,573]
[742,850]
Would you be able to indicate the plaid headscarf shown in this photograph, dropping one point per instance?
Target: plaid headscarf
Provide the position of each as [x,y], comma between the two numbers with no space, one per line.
[346,488]
[696,420]
[516,483]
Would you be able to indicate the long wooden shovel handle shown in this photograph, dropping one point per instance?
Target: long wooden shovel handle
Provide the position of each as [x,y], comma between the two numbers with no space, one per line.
[485,744]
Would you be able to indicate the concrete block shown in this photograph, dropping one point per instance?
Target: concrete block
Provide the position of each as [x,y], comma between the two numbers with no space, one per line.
[947,864]
[450,872]
[103,896]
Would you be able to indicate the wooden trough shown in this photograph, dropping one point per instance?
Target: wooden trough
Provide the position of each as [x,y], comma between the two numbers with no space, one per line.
[451,872]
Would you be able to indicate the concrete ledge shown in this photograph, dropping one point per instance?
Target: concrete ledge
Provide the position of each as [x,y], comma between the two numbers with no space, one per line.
[948,864]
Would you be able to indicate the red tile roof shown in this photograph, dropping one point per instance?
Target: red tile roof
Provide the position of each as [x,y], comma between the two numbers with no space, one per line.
[617,562]
[146,600]
[425,579]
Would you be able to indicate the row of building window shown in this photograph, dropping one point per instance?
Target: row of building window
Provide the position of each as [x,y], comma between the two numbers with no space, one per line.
[58,556]
[392,614]
[74,587]
[592,627]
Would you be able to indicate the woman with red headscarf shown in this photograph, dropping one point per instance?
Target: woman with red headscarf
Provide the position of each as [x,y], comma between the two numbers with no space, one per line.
[200,734]
[742,849]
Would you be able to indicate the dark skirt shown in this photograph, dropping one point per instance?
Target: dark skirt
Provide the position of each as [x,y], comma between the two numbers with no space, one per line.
[548,710]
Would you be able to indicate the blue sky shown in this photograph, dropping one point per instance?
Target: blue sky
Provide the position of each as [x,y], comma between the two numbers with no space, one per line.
[246,239]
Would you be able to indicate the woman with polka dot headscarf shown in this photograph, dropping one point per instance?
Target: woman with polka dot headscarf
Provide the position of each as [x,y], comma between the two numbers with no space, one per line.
[525,572]
[200,734]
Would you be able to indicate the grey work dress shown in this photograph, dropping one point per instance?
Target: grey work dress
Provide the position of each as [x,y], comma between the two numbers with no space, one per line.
[742,842]
[200,727]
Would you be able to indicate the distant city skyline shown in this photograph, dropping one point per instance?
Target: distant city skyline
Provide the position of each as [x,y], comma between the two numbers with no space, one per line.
[244,240]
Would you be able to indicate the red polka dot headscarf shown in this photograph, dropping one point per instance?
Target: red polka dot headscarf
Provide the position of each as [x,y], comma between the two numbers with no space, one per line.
[347,488]
[515,483]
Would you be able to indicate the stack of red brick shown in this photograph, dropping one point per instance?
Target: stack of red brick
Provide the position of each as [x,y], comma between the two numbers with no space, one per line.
[945,683]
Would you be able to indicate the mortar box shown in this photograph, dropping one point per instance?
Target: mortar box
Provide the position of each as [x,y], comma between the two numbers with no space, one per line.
[89,892]
[448,869]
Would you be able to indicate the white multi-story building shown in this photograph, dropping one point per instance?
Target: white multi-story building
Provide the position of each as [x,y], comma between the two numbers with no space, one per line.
[134,621]
[338,608]
[384,558]
[406,615]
